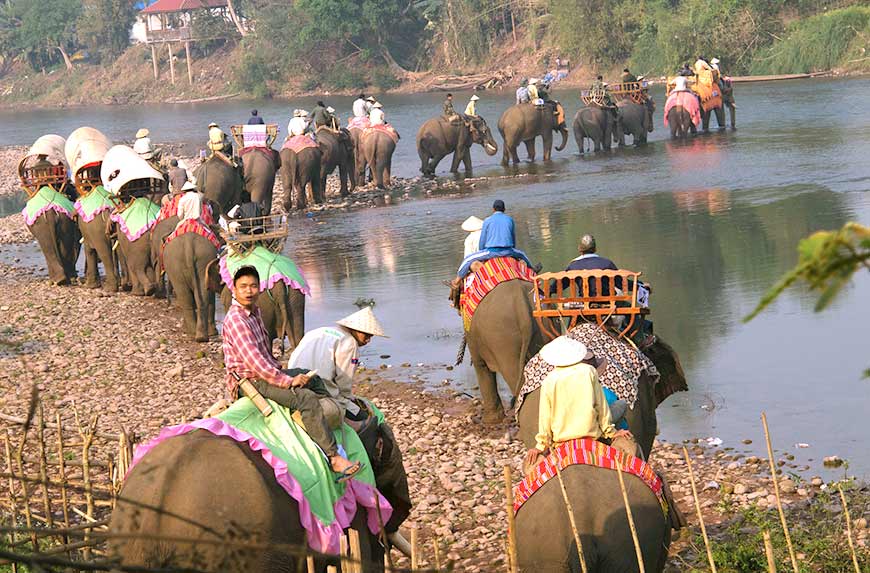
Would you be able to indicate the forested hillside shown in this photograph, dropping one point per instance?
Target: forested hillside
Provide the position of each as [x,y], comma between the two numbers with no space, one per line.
[280,47]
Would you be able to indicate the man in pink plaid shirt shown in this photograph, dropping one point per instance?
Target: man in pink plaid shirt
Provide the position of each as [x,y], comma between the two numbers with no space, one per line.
[248,353]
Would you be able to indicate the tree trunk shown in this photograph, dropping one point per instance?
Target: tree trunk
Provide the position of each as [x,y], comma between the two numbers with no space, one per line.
[393,64]
[66,59]
[235,18]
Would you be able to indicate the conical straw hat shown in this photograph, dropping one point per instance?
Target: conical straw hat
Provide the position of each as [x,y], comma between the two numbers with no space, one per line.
[472,224]
[564,351]
[364,321]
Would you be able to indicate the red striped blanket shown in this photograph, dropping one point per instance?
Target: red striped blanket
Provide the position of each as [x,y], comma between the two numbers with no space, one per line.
[382,128]
[170,209]
[192,226]
[589,452]
[494,271]
[358,122]
[299,142]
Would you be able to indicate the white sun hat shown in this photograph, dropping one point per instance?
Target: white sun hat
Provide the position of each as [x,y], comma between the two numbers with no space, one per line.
[378,105]
[564,351]
[363,321]
[472,224]
[714,61]
[143,132]
[330,109]
[474,97]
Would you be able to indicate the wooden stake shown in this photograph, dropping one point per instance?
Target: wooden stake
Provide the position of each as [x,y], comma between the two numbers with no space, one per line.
[12,503]
[437,555]
[87,441]
[415,557]
[25,492]
[512,533]
[698,509]
[43,462]
[154,61]
[171,63]
[62,473]
[788,543]
[768,551]
[309,562]
[571,514]
[631,526]
[383,533]
[849,529]
[187,59]
[355,551]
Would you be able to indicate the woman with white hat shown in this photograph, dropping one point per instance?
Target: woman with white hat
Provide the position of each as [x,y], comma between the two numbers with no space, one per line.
[471,108]
[472,226]
[376,116]
[573,404]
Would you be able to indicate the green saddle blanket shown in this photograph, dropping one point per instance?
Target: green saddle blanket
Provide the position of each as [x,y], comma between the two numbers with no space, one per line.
[47,199]
[270,266]
[97,201]
[138,218]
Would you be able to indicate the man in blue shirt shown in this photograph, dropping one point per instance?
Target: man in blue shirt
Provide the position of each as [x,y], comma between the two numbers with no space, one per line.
[497,239]
[255,118]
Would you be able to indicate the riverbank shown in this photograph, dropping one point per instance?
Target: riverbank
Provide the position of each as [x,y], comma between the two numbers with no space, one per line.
[124,357]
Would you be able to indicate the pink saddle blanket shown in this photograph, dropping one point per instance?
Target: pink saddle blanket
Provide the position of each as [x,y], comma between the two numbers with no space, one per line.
[688,101]
[382,128]
[298,142]
[358,122]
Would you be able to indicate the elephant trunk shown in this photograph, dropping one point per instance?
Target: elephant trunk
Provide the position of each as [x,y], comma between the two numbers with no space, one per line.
[490,145]
[564,131]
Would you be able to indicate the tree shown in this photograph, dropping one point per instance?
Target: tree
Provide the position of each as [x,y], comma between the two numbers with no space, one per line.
[104,26]
[48,26]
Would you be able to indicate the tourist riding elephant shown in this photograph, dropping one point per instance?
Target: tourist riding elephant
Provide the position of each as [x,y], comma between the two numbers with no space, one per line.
[680,122]
[502,337]
[635,119]
[186,259]
[378,147]
[545,538]
[58,237]
[282,309]
[215,489]
[260,166]
[524,122]
[336,151]
[221,183]
[439,137]
[595,123]
[298,171]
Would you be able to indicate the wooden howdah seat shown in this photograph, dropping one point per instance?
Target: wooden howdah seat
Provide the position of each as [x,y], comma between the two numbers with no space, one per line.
[577,295]
[149,188]
[260,135]
[635,91]
[87,179]
[269,231]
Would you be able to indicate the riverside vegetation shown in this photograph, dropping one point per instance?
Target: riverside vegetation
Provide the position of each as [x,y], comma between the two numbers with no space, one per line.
[61,52]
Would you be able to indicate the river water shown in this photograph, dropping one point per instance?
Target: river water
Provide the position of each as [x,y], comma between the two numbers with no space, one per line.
[712,223]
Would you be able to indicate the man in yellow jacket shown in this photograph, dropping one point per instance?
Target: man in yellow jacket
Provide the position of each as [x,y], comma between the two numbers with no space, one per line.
[573,404]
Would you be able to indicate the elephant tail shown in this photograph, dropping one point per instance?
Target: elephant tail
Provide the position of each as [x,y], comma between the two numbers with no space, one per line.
[460,356]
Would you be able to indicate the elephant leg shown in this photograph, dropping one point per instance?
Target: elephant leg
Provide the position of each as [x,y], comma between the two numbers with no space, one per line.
[200,299]
[103,248]
[720,117]
[732,111]
[388,167]
[458,156]
[530,149]
[466,160]
[45,232]
[70,247]
[320,189]
[705,120]
[342,175]
[493,411]
[507,152]
[92,269]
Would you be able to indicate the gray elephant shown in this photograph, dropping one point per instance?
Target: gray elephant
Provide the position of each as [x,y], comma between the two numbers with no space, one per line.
[188,485]
[186,259]
[680,122]
[299,170]
[58,237]
[705,117]
[359,157]
[261,164]
[336,151]
[524,122]
[545,540]
[439,137]
[501,338]
[220,182]
[133,225]
[93,212]
[282,309]
[595,123]
[378,146]
[634,119]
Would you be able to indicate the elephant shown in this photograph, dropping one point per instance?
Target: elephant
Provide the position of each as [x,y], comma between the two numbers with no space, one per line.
[438,137]
[502,337]
[58,238]
[378,147]
[221,183]
[595,123]
[137,258]
[206,487]
[635,119]
[358,156]
[546,542]
[705,117]
[524,122]
[680,122]
[186,259]
[260,167]
[298,171]
[336,151]
[282,309]
[98,249]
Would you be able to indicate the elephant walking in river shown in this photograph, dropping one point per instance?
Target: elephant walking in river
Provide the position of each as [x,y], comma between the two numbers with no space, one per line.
[595,123]
[260,166]
[634,119]
[524,122]
[336,151]
[299,170]
[439,137]
[378,147]
[220,182]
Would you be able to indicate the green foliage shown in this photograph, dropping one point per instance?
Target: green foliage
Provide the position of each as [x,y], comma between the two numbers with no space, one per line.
[47,29]
[343,77]
[602,33]
[817,43]
[104,27]
[259,66]
[383,79]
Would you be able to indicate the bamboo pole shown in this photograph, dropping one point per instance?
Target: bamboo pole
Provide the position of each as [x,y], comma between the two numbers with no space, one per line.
[309,562]
[187,59]
[788,543]
[171,63]
[154,60]
[43,474]
[87,441]
[631,526]
[25,493]
[570,514]
[512,533]
[12,503]
[698,509]
[383,532]
[768,552]
[437,555]
[64,502]
[355,551]
[849,529]
[415,557]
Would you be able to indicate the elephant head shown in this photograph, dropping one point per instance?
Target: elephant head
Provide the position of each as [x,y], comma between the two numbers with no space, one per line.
[650,106]
[481,134]
[561,127]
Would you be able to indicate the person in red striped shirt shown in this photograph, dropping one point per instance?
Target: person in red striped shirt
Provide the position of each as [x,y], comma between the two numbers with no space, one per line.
[247,353]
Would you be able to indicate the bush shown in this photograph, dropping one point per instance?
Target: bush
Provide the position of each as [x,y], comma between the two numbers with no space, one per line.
[342,77]
[384,80]
[254,72]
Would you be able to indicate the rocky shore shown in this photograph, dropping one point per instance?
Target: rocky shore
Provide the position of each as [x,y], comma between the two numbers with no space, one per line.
[125,358]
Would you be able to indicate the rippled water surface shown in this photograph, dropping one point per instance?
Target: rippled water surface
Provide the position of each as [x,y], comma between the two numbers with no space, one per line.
[712,223]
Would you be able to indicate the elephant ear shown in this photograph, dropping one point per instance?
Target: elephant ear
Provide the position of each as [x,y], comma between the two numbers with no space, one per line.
[214,282]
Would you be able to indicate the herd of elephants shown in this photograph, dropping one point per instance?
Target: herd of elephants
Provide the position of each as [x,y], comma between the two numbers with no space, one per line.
[201,479]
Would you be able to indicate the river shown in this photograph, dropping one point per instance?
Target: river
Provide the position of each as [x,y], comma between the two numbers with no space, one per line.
[712,223]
